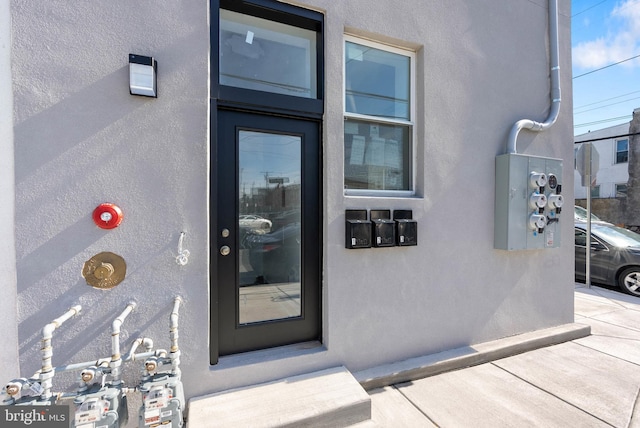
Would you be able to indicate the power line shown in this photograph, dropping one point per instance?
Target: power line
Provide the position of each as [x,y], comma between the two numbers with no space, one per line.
[605,100]
[597,122]
[606,138]
[597,4]
[608,105]
[606,66]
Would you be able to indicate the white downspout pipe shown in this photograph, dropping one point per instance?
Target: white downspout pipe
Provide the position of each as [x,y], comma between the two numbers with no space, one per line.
[555,85]
[47,372]
[116,358]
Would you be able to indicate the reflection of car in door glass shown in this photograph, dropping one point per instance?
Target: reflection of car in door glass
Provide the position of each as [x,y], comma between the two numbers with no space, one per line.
[285,217]
[254,222]
[275,256]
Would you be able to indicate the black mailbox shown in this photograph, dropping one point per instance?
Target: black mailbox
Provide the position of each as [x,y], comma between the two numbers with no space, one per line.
[406,228]
[357,229]
[383,229]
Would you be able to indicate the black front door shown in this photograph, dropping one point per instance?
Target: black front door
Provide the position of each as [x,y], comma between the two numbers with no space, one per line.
[265,232]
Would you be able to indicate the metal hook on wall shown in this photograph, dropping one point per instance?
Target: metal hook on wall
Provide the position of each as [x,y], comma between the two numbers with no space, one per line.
[183,254]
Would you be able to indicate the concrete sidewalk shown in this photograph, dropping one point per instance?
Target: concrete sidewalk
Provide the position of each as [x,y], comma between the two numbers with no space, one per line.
[592,381]
[584,374]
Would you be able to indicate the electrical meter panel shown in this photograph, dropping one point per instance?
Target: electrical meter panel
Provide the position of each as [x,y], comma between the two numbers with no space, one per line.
[528,202]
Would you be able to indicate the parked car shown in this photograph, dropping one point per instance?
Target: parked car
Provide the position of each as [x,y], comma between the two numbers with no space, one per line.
[580,214]
[615,256]
[254,222]
[275,256]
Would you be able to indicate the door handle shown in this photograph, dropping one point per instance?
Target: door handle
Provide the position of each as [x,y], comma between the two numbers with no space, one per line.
[225,250]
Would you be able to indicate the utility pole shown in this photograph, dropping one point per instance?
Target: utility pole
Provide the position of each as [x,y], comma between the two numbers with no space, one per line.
[632,205]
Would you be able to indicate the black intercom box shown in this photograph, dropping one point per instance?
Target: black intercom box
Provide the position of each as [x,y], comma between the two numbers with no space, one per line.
[357,229]
[406,228]
[383,229]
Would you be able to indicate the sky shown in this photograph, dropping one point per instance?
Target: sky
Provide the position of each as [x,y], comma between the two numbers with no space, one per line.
[604,33]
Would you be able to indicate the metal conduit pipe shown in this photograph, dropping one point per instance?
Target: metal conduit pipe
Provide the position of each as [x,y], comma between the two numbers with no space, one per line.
[80,366]
[173,324]
[47,372]
[555,85]
[173,334]
[146,342]
[116,359]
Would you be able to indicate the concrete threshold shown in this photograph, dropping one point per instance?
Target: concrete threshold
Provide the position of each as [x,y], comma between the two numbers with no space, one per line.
[328,398]
[459,358]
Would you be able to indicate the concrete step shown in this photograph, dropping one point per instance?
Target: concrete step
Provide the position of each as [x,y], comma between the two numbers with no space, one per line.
[329,398]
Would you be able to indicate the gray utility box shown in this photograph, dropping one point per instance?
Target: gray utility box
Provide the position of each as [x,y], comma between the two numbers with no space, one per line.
[528,202]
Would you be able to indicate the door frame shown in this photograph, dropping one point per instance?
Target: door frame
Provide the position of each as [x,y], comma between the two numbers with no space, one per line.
[226,98]
[227,336]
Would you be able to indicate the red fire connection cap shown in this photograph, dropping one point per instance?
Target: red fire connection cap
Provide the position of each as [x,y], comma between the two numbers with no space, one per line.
[107,216]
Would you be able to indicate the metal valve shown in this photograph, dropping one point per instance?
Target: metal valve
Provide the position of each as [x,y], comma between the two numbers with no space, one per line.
[87,375]
[13,388]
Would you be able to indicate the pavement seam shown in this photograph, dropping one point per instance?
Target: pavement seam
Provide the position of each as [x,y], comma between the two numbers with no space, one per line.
[613,324]
[596,290]
[629,339]
[633,410]
[551,394]
[414,405]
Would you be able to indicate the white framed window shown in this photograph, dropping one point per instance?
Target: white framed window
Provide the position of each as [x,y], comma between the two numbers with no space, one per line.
[622,151]
[621,190]
[379,106]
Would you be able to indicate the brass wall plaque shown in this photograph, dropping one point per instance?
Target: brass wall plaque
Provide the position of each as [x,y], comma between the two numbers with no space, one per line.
[104,270]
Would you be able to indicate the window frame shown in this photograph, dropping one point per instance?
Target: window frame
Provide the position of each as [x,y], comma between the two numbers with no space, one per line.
[410,123]
[261,101]
[619,193]
[615,150]
[594,239]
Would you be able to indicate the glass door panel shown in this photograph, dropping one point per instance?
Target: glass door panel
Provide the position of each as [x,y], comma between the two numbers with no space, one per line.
[269,208]
[266,232]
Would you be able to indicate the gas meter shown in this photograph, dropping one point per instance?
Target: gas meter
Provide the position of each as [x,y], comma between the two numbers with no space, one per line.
[101,406]
[162,401]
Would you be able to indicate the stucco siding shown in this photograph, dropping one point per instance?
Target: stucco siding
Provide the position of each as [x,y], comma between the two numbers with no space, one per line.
[9,364]
[81,139]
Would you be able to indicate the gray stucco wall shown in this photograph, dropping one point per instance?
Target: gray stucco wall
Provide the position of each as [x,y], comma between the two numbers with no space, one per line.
[81,140]
[8,308]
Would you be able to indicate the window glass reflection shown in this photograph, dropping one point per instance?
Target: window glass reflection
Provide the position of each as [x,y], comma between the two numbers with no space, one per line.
[267,56]
[377,82]
[269,226]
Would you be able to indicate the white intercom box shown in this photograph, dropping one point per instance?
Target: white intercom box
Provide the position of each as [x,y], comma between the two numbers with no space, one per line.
[528,202]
